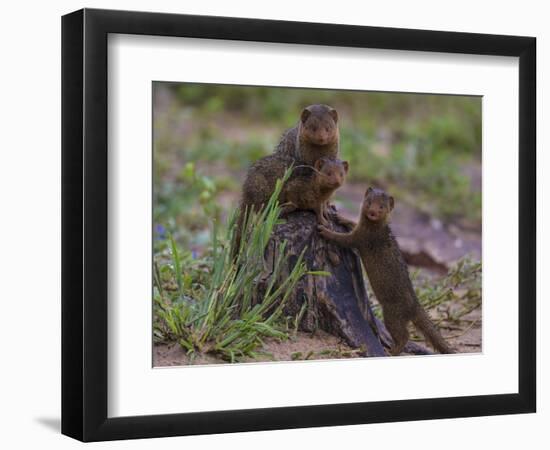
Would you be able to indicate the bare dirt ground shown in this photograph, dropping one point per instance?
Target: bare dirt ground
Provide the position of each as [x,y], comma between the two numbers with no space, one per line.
[307,346]
[302,346]
[466,339]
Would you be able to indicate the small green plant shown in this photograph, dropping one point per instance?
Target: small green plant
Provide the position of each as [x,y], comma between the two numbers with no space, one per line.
[225,318]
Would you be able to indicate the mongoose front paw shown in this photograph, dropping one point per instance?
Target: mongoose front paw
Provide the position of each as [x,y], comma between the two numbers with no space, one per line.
[324,222]
[344,222]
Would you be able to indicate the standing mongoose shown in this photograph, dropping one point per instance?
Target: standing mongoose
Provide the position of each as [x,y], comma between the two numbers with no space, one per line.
[315,136]
[387,271]
[311,190]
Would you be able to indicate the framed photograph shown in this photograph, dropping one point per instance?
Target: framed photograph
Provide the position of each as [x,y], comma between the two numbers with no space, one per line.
[273,224]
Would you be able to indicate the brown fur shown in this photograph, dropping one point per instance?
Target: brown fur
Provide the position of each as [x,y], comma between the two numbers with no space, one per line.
[261,179]
[312,191]
[315,136]
[387,271]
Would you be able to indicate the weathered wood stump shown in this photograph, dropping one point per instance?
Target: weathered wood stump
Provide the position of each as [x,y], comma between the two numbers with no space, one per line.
[337,304]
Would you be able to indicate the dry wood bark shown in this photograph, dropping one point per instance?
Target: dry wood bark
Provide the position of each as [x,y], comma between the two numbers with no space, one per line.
[337,304]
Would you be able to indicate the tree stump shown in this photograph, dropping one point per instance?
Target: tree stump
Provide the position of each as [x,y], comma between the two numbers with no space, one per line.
[337,304]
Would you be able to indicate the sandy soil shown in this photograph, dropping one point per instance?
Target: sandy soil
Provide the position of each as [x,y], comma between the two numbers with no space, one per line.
[466,339]
[302,346]
[314,347]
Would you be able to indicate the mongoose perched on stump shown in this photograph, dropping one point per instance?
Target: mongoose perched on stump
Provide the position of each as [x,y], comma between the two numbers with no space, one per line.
[315,136]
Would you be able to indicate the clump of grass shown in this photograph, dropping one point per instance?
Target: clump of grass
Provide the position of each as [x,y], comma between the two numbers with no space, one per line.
[223,318]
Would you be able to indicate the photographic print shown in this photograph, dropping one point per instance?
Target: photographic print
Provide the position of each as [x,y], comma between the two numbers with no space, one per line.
[304,224]
[293,227]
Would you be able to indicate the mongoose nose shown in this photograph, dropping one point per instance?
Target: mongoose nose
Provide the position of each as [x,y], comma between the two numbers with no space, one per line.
[372,215]
[322,139]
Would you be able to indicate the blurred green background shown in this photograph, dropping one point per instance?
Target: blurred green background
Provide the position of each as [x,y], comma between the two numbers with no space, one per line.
[424,149]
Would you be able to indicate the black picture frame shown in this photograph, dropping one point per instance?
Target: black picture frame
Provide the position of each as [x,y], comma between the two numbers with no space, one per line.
[84,224]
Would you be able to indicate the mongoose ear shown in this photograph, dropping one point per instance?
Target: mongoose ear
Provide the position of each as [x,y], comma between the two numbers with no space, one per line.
[334,114]
[392,202]
[369,190]
[305,114]
[319,164]
[346,166]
